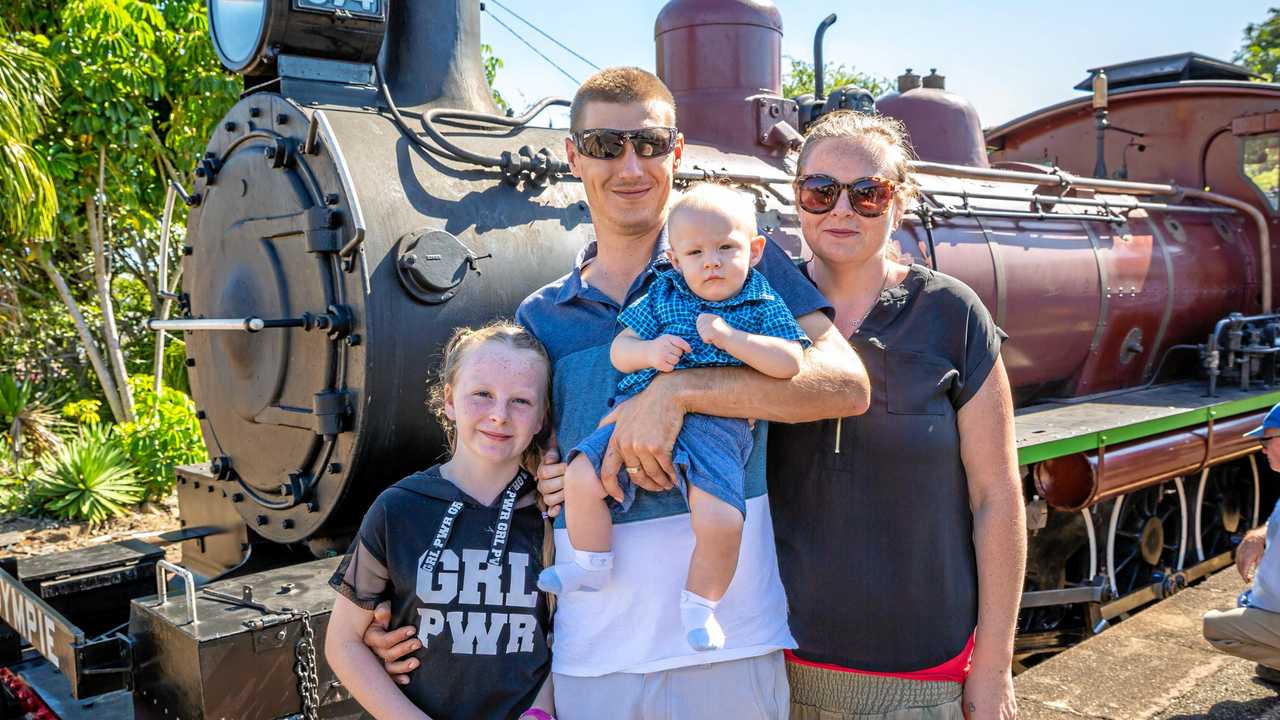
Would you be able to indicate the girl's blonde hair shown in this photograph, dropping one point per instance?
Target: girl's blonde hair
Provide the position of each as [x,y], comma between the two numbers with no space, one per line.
[463,341]
[884,137]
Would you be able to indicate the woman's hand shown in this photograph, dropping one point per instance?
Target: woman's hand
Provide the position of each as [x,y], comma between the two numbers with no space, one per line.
[988,695]
[551,480]
[392,645]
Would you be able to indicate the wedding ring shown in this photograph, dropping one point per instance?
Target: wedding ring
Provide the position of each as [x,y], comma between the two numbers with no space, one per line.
[633,470]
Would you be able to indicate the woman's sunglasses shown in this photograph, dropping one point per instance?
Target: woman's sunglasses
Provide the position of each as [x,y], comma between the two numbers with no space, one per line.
[607,144]
[868,196]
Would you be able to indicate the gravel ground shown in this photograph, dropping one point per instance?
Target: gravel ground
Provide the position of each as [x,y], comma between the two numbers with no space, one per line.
[28,537]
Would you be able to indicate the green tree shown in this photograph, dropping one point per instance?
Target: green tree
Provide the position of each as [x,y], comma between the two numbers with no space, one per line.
[799,79]
[1261,49]
[492,64]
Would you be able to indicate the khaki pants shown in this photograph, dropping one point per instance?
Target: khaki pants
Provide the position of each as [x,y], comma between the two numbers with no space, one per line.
[1249,633]
[749,689]
[820,694]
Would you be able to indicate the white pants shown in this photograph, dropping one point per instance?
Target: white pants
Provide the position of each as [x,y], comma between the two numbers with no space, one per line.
[749,689]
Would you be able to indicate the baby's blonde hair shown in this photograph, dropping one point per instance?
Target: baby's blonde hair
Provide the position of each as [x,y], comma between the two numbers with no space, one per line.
[717,197]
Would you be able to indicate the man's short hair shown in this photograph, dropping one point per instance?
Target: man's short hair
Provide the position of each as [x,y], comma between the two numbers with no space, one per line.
[621,86]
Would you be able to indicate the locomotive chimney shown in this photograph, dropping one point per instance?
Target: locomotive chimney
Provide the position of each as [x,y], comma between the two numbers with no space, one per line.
[432,55]
[722,60]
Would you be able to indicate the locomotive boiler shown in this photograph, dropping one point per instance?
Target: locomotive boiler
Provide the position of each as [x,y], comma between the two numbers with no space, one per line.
[364,198]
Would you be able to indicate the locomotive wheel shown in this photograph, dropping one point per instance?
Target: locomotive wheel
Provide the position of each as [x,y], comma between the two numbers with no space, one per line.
[1061,555]
[1147,534]
[1227,501]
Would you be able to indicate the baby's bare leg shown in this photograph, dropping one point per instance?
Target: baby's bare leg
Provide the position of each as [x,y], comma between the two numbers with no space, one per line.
[717,530]
[586,514]
[590,532]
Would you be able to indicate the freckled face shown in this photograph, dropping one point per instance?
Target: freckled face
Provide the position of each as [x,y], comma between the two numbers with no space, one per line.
[841,236]
[712,252]
[497,401]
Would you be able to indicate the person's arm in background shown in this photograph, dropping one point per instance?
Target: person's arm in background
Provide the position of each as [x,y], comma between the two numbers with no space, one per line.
[990,460]
[1249,553]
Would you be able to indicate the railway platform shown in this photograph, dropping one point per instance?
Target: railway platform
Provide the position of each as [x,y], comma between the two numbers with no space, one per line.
[1154,665]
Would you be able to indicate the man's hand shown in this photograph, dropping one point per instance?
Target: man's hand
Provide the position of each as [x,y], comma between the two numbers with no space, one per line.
[646,426]
[392,645]
[551,480]
[988,695]
[664,351]
[713,329]
[1249,554]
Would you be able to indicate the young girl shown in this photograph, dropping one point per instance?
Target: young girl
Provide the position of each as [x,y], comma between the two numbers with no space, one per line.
[457,549]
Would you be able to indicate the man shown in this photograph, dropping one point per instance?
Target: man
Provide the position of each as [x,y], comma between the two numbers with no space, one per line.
[1252,631]
[621,653]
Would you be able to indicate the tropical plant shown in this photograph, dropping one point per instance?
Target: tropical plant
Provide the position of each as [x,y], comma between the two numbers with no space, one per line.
[27,424]
[1261,49]
[140,92]
[799,80]
[15,479]
[86,411]
[29,88]
[165,434]
[90,478]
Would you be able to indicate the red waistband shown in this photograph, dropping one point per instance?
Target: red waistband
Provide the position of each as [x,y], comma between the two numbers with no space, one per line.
[953,670]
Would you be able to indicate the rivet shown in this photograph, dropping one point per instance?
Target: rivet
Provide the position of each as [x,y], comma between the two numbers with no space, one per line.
[282,119]
[191,362]
[254,112]
[187,249]
[353,340]
[262,520]
[287,524]
[200,415]
[335,467]
[229,126]
[237,497]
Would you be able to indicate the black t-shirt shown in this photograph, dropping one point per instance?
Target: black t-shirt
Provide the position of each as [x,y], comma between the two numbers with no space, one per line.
[483,627]
[875,542]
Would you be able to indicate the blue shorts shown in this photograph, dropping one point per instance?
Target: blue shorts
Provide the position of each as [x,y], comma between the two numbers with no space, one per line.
[711,454]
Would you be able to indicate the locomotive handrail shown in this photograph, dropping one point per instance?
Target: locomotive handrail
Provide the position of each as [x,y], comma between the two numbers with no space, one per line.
[189,587]
[248,324]
[1117,204]
[320,122]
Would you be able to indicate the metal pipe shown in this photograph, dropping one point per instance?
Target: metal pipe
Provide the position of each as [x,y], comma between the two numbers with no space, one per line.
[249,324]
[1072,482]
[818,80]
[1264,236]
[1117,204]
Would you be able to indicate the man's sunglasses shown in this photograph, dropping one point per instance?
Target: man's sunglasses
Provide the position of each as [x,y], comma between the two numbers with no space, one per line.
[868,196]
[607,144]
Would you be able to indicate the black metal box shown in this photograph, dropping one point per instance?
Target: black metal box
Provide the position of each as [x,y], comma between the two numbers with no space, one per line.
[238,658]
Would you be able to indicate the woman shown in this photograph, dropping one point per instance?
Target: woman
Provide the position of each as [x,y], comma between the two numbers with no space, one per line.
[901,532]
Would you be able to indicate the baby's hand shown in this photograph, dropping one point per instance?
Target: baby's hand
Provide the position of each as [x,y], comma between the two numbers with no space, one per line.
[713,329]
[665,351]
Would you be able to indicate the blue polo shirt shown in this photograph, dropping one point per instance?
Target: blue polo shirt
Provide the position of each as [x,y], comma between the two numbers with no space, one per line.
[633,625]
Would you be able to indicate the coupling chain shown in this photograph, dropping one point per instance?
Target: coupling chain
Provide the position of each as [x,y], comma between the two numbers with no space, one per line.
[305,669]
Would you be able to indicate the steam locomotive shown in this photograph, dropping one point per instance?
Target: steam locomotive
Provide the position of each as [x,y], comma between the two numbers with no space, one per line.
[364,198]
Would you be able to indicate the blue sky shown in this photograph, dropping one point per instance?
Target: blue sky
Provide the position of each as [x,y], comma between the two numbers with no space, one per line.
[1005,56]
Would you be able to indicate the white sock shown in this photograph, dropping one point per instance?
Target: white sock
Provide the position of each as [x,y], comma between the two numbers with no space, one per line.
[588,572]
[697,614]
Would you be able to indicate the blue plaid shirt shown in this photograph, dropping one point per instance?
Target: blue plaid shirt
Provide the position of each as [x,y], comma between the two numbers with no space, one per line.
[671,308]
